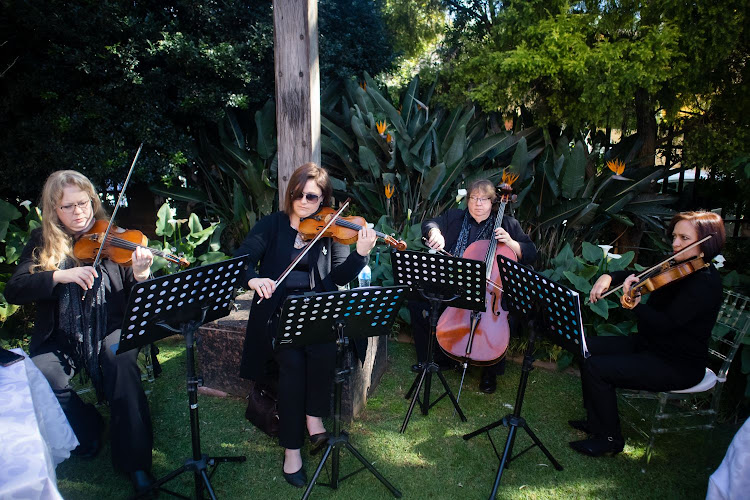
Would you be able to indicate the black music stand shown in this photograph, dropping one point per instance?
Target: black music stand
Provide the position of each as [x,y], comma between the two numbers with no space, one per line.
[549,308]
[322,318]
[180,303]
[439,279]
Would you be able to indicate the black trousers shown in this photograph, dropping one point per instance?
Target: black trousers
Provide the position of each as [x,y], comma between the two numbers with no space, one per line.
[130,432]
[623,362]
[305,383]
[420,323]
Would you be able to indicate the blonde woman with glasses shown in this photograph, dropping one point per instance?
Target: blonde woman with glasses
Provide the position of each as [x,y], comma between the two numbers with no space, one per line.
[79,311]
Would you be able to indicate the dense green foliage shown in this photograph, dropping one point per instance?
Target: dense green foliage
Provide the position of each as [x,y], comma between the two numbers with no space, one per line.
[83,83]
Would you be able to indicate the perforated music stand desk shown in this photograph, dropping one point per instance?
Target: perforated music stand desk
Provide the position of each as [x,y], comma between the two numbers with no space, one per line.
[180,303]
[440,279]
[550,309]
[333,317]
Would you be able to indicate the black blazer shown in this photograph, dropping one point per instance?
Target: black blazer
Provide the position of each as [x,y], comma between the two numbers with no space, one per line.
[269,246]
[26,288]
[450,225]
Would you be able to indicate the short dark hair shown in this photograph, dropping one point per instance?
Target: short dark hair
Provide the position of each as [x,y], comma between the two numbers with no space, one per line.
[298,180]
[705,223]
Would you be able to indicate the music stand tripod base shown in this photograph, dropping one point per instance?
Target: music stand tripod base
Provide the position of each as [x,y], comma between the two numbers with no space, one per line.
[439,279]
[186,299]
[551,309]
[337,317]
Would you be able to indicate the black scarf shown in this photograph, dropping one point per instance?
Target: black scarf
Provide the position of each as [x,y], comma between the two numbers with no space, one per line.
[463,237]
[84,325]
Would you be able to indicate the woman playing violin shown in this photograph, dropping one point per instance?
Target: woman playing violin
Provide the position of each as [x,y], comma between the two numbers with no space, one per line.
[670,349]
[305,375]
[454,231]
[73,333]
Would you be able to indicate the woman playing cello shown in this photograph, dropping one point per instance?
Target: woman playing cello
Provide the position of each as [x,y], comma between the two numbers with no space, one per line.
[71,334]
[670,349]
[305,374]
[454,231]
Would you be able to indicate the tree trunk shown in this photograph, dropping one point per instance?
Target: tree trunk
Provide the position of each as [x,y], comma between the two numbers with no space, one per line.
[646,128]
[297,69]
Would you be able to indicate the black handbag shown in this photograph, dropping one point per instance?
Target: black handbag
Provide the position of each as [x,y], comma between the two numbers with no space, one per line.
[263,410]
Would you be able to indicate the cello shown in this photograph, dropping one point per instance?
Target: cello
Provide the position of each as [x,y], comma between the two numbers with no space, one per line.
[481,338]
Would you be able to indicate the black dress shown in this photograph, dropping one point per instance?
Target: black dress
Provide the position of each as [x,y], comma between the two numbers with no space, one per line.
[669,351]
[305,374]
[130,424]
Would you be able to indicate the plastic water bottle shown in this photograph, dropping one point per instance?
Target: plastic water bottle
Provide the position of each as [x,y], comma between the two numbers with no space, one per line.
[364,276]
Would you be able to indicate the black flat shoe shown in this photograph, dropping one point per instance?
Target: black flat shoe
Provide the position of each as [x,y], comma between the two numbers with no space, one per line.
[580,425]
[141,480]
[488,383]
[297,479]
[599,446]
[317,441]
[416,368]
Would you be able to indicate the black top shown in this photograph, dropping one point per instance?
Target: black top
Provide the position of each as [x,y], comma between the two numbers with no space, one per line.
[269,247]
[677,320]
[25,288]
[450,225]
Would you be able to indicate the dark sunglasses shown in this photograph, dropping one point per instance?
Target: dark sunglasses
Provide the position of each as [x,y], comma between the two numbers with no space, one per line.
[312,198]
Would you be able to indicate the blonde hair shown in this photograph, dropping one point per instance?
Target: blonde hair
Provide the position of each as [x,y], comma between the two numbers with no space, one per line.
[57,243]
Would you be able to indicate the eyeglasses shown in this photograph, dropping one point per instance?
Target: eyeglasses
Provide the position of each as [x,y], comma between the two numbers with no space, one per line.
[312,198]
[479,201]
[69,209]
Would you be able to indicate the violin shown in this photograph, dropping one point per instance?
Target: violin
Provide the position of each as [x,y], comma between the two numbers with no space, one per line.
[119,246]
[344,230]
[669,273]
[482,342]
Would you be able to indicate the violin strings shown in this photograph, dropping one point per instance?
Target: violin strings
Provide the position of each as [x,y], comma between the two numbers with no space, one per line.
[357,227]
[129,245]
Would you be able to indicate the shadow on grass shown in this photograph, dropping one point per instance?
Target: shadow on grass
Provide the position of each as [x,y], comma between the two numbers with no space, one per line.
[429,461]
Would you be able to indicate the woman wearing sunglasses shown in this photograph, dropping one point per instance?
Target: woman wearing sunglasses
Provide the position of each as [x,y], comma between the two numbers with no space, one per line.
[305,374]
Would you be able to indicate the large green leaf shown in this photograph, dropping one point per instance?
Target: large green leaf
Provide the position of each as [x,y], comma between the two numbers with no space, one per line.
[580,284]
[484,146]
[574,172]
[369,161]
[407,104]
[265,122]
[563,211]
[163,225]
[457,147]
[336,132]
[592,253]
[432,180]
[392,113]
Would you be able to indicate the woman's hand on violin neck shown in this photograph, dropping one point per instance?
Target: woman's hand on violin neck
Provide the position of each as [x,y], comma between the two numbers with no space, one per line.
[142,260]
[366,240]
[262,286]
[601,286]
[628,283]
[435,239]
[83,276]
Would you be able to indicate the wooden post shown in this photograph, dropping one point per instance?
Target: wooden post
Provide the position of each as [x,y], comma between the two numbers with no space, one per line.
[295,35]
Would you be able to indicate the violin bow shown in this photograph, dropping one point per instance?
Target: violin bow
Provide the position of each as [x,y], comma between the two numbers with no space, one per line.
[448,254]
[114,212]
[689,247]
[308,247]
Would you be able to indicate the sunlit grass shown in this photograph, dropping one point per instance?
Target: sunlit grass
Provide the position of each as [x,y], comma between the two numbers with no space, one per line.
[429,461]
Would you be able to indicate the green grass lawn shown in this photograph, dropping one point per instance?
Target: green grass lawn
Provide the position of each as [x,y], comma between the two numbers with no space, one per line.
[429,461]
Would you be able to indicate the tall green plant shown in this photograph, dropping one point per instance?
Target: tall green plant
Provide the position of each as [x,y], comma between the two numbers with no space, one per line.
[236,176]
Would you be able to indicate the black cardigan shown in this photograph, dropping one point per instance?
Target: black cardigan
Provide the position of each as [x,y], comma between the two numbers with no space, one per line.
[450,225]
[25,288]
[269,246]
[677,319]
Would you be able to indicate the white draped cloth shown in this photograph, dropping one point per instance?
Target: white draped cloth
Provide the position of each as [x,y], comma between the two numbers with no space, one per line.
[731,481]
[35,436]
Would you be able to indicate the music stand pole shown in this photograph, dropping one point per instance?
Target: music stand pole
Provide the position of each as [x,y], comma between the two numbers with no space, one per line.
[549,308]
[440,279]
[189,299]
[317,318]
